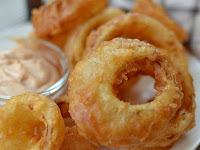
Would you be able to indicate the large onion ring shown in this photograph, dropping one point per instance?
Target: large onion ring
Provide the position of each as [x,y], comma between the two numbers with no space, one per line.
[100,116]
[32,122]
[75,44]
[148,29]
[152,9]
[59,16]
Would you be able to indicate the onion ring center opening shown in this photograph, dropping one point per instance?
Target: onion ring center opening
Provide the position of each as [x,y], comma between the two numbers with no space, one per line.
[23,128]
[138,90]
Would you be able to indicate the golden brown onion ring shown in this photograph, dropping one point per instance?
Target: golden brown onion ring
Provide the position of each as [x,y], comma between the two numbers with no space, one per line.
[152,9]
[98,113]
[75,45]
[59,16]
[31,121]
[148,29]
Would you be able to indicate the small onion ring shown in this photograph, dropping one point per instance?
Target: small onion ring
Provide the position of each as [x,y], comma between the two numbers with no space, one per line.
[31,121]
[100,116]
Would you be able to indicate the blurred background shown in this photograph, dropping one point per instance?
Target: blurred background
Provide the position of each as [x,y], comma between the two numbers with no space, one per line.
[15,16]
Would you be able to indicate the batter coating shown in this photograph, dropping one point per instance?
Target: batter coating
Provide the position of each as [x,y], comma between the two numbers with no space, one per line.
[101,117]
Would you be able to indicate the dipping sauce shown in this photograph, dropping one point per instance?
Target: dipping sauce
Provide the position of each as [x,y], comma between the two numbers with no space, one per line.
[24,70]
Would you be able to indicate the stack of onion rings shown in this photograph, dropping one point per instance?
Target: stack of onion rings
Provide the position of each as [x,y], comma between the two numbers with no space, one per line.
[152,9]
[75,44]
[31,121]
[150,30]
[101,117]
[98,113]
[35,122]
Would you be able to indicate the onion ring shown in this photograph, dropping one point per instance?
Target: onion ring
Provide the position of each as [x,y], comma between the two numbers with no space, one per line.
[63,104]
[150,30]
[31,121]
[72,140]
[75,45]
[59,16]
[152,9]
[100,116]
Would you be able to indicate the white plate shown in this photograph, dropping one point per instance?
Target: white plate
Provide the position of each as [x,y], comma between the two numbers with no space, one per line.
[188,141]
[191,140]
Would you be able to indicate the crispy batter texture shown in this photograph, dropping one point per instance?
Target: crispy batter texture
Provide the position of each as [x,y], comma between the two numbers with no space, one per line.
[75,45]
[98,113]
[73,141]
[148,29]
[63,104]
[31,121]
[59,16]
[152,9]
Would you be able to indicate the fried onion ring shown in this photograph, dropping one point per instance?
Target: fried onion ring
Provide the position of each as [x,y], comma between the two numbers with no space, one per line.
[148,29]
[59,16]
[98,113]
[152,9]
[31,121]
[73,141]
[75,45]
[63,104]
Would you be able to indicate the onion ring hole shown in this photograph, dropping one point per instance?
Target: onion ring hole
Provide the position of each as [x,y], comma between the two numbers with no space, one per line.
[24,128]
[137,90]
